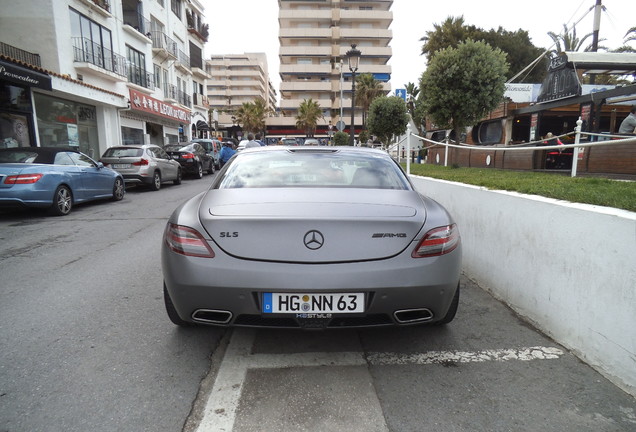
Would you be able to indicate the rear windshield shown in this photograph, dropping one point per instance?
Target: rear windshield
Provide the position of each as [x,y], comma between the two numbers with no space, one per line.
[313,169]
[123,152]
[18,156]
[174,148]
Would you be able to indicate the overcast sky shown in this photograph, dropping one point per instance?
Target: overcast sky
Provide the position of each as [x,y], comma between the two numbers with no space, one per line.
[238,26]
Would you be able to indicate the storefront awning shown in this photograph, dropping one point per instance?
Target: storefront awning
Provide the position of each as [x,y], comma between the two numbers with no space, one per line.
[202,126]
[24,76]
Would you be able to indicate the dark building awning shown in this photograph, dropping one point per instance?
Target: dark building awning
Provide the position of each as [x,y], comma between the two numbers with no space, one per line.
[20,75]
[202,126]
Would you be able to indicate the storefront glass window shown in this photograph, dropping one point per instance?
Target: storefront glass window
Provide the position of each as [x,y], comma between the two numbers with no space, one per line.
[15,116]
[131,136]
[63,123]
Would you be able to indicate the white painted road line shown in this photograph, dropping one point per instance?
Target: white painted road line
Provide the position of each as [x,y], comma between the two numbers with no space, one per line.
[446,357]
[220,409]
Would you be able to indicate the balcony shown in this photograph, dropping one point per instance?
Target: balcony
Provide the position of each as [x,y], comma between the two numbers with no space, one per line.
[137,25]
[184,99]
[18,54]
[183,62]
[170,93]
[163,45]
[200,100]
[102,7]
[92,57]
[139,77]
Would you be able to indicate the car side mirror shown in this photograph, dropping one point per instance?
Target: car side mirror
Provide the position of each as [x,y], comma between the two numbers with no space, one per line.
[100,165]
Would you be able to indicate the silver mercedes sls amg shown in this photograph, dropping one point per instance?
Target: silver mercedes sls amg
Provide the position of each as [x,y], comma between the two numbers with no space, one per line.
[311,237]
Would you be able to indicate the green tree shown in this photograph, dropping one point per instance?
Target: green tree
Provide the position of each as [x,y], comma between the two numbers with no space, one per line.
[252,115]
[461,85]
[367,89]
[517,45]
[341,138]
[387,117]
[309,113]
[569,41]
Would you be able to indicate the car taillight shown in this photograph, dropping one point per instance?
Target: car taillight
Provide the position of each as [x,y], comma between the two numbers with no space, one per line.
[141,162]
[187,156]
[23,179]
[186,241]
[438,241]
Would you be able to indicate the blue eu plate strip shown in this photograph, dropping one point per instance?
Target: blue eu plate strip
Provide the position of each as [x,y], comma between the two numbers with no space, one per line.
[267,302]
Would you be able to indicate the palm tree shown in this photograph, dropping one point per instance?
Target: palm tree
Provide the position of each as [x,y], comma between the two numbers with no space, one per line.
[570,42]
[252,115]
[412,91]
[308,114]
[367,89]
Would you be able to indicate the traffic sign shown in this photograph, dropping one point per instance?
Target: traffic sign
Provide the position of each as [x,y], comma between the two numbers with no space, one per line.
[340,125]
[401,93]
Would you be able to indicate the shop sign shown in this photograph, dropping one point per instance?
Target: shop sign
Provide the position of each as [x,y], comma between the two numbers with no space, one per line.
[150,105]
[23,76]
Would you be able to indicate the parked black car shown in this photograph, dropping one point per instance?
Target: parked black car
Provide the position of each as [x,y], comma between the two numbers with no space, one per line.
[192,157]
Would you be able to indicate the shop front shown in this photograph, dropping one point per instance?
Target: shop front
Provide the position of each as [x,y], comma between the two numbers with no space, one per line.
[17,124]
[151,121]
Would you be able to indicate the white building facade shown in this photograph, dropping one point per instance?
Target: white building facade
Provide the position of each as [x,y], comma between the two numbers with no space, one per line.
[113,72]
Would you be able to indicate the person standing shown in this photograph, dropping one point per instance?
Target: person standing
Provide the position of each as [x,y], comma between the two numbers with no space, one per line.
[226,153]
[251,142]
[628,125]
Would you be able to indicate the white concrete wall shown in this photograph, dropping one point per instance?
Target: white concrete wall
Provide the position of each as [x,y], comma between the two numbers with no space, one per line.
[569,269]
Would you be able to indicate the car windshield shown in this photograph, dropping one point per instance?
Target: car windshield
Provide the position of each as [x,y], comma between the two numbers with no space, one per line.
[313,169]
[123,152]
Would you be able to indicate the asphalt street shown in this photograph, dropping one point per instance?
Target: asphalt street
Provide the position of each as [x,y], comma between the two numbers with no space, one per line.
[86,346]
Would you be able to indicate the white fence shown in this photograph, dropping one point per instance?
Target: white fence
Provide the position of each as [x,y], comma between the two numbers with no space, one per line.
[569,269]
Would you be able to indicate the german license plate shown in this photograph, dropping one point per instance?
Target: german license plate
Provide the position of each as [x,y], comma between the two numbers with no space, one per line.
[313,303]
[121,166]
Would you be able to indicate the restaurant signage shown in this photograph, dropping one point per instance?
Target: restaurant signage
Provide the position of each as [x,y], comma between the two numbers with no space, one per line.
[24,76]
[150,105]
[561,81]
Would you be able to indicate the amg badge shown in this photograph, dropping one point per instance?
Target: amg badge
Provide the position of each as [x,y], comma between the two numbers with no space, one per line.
[389,235]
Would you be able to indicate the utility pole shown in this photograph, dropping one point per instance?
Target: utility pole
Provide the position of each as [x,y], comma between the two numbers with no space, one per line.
[597,26]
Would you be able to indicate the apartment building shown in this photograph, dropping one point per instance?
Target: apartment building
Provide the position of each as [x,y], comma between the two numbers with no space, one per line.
[98,73]
[236,79]
[315,36]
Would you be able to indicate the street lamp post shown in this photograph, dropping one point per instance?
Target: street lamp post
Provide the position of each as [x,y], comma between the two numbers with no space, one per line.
[353,55]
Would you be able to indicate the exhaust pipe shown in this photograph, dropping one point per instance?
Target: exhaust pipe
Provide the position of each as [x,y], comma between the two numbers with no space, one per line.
[408,316]
[210,316]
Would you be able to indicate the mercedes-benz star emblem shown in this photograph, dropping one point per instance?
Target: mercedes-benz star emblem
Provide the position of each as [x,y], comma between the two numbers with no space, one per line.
[314,240]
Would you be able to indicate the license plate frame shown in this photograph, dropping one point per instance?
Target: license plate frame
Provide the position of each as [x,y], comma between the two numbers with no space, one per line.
[121,166]
[313,303]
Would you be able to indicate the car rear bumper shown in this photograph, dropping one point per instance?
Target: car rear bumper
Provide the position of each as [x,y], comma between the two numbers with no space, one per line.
[203,290]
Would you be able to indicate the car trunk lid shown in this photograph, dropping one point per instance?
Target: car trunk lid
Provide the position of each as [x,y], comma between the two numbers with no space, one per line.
[312,225]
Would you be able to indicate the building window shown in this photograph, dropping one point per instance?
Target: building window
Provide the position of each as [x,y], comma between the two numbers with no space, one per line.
[176,7]
[136,67]
[92,42]
[157,73]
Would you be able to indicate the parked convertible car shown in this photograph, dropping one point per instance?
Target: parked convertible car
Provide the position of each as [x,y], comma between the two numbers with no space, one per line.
[313,238]
[54,178]
[192,157]
[146,164]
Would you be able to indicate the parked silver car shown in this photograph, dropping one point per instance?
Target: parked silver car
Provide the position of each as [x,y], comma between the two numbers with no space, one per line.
[313,238]
[147,164]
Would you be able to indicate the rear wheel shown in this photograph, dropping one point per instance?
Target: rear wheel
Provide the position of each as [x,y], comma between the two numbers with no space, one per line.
[156,181]
[172,312]
[119,190]
[199,173]
[452,310]
[62,201]
[177,181]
